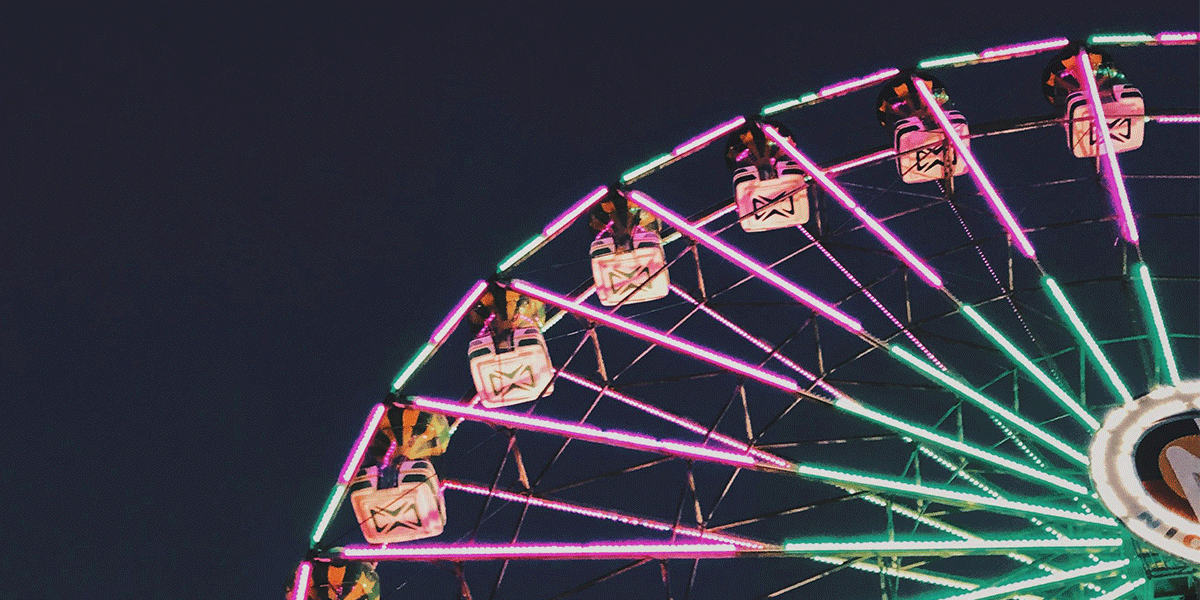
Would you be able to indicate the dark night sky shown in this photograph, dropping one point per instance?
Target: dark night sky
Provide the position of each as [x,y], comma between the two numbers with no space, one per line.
[225,228]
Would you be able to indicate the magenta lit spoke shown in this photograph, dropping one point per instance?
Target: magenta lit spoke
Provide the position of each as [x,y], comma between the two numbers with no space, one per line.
[883,234]
[1116,180]
[572,213]
[999,208]
[688,424]
[652,335]
[355,459]
[598,513]
[456,315]
[1177,119]
[592,551]
[748,264]
[303,581]
[588,433]
[705,138]
[1177,37]
[1023,48]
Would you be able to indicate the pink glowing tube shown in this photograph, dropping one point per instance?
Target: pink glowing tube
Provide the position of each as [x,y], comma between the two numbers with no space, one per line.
[572,213]
[1177,37]
[1023,48]
[923,270]
[456,315]
[652,335]
[687,424]
[748,264]
[355,459]
[593,551]
[853,84]
[989,191]
[870,158]
[589,433]
[703,139]
[303,581]
[1119,195]
[597,513]
[1177,119]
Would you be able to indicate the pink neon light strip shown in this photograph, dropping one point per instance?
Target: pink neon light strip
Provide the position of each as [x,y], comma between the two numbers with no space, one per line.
[852,84]
[716,215]
[1177,119]
[456,315]
[887,313]
[999,208]
[750,265]
[870,158]
[596,513]
[302,582]
[587,433]
[658,337]
[1177,37]
[881,233]
[687,424]
[355,459]
[1119,195]
[572,213]
[708,136]
[596,551]
[1024,48]
[765,347]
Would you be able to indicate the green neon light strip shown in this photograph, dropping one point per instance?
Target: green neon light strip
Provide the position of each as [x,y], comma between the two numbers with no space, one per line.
[909,574]
[1036,582]
[654,163]
[928,492]
[1030,473]
[331,505]
[942,61]
[947,547]
[1120,592]
[1083,335]
[1120,38]
[990,406]
[521,253]
[1039,376]
[414,364]
[1150,304]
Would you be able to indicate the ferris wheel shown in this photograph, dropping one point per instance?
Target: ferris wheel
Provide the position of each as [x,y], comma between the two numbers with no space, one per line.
[952,357]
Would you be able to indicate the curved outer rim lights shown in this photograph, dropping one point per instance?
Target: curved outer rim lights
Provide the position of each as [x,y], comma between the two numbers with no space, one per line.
[1115,474]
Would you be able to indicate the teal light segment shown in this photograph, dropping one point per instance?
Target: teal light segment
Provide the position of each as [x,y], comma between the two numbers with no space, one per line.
[948,547]
[521,253]
[780,106]
[942,61]
[989,405]
[915,431]
[414,364]
[638,171]
[1120,38]
[1001,591]
[1141,275]
[1031,369]
[1085,337]
[946,495]
[1121,591]
[906,573]
[331,505]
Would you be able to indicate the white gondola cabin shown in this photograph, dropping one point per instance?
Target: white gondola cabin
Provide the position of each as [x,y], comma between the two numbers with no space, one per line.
[518,371]
[635,274]
[411,508]
[922,151]
[1125,112]
[771,203]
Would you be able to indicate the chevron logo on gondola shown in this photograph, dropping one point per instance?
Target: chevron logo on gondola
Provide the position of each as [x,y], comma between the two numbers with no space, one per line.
[936,152]
[397,518]
[619,281]
[521,378]
[1120,129]
[765,208]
